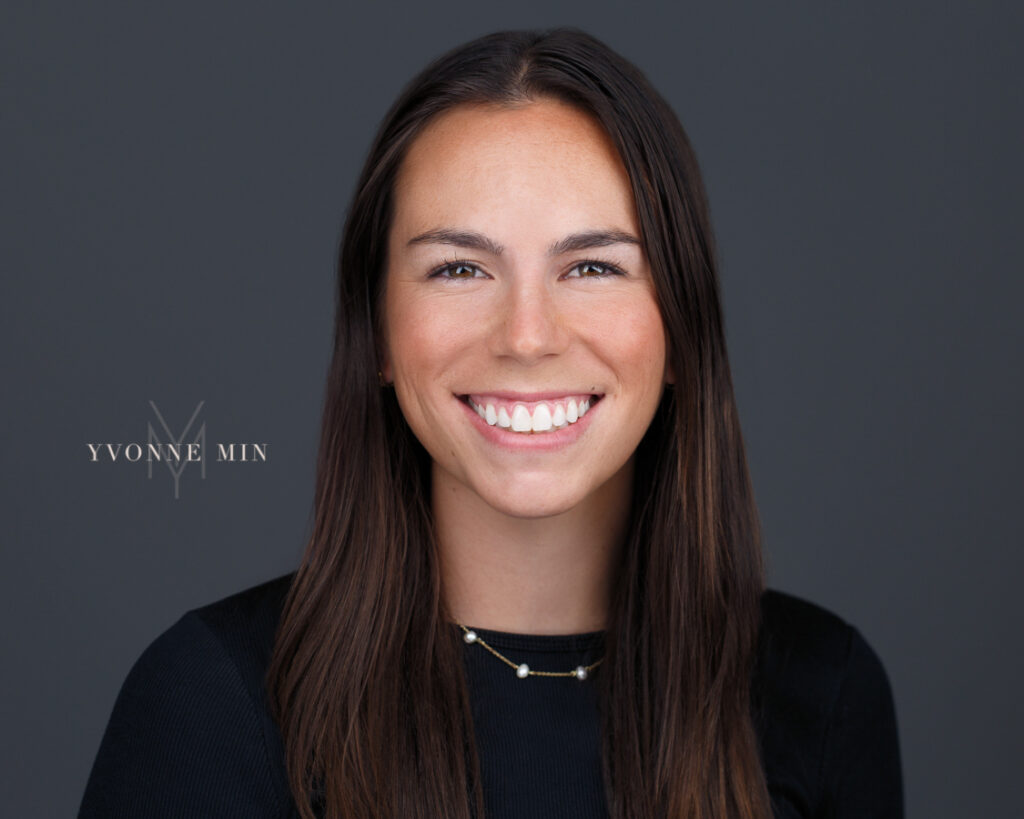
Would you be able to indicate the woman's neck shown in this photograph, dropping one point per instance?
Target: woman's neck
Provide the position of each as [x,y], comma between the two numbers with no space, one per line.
[549,575]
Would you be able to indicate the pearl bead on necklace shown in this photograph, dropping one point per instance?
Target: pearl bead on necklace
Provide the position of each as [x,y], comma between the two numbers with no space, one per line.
[581,672]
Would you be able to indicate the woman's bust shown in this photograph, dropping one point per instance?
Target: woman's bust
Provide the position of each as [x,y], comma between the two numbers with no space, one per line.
[534,584]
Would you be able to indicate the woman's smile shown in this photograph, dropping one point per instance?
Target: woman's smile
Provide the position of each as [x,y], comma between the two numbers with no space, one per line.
[530,425]
[529,413]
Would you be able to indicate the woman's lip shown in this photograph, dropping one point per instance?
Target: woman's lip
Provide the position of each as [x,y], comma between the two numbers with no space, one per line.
[529,441]
[526,397]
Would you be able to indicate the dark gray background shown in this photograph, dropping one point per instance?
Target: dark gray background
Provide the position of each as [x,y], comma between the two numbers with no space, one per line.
[174,180]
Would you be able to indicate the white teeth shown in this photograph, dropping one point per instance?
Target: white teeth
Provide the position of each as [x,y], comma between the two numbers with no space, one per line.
[541,418]
[521,421]
[545,416]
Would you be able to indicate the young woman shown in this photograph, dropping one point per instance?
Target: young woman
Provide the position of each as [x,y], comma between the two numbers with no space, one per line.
[534,584]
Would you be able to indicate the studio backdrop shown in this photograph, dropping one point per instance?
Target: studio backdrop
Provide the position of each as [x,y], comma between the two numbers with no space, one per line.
[175,178]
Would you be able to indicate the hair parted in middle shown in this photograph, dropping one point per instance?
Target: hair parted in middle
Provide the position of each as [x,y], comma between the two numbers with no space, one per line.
[366,677]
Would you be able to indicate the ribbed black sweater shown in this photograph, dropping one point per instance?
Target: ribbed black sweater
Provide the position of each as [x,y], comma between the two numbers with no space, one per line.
[190,734]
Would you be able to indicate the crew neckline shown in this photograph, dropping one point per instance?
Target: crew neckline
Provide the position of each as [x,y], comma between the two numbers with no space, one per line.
[545,643]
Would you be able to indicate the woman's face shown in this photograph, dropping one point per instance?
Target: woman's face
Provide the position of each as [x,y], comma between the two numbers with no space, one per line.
[521,328]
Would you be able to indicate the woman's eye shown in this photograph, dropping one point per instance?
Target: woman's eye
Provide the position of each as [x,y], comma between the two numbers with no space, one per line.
[593,270]
[456,270]
[583,270]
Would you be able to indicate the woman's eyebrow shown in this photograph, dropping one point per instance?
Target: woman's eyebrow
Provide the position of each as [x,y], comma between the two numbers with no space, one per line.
[477,241]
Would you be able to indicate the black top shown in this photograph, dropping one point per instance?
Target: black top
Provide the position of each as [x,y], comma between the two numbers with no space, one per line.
[190,734]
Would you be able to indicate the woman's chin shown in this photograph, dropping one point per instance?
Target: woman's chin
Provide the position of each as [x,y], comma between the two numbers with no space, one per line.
[538,502]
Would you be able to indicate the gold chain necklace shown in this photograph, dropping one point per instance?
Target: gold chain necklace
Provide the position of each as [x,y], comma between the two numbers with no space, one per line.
[522,669]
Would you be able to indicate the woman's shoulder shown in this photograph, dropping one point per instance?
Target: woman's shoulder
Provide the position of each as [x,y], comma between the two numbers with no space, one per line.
[804,635]
[190,732]
[234,634]
[811,656]
[243,623]
[825,712]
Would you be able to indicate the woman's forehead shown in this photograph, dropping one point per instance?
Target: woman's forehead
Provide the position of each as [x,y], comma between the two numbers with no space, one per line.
[546,159]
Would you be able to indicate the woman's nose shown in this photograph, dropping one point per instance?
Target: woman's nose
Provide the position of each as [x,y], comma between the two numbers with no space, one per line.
[530,324]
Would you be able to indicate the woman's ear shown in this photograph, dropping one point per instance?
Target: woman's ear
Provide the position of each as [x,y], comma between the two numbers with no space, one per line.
[384,362]
[385,374]
[670,375]
[383,353]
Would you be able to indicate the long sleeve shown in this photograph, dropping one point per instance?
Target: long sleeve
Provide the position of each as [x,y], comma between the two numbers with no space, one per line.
[185,738]
[861,774]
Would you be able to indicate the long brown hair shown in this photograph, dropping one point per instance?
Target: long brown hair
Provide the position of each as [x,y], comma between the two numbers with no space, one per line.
[366,678]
